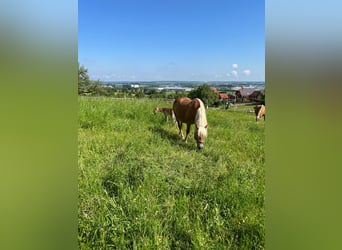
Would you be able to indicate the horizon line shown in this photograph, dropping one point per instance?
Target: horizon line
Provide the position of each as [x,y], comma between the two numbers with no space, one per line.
[180,80]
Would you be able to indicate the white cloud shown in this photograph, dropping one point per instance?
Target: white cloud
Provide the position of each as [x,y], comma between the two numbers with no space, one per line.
[234,73]
[228,74]
[234,66]
[247,72]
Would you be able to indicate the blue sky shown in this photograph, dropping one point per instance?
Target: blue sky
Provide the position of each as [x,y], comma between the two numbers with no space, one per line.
[156,40]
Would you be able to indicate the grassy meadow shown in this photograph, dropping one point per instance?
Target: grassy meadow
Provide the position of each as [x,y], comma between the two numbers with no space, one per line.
[141,187]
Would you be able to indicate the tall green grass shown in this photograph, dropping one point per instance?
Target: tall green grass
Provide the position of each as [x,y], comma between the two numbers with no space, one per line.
[141,187]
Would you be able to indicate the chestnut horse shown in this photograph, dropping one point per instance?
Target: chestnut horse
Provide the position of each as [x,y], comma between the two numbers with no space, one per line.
[167,112]
[191,112]
[260,111]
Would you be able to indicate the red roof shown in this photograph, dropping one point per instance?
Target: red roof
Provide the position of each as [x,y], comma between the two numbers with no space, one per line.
[223,96]
[246,91]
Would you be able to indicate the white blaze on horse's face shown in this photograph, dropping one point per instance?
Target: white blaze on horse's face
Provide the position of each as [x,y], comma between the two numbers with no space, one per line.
[200,135]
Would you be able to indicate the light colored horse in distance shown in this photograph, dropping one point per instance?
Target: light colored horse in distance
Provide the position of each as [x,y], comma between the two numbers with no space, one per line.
[260,111]
[191,112]
[167,112]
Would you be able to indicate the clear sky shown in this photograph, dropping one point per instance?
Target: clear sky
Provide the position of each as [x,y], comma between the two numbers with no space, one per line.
[156,40]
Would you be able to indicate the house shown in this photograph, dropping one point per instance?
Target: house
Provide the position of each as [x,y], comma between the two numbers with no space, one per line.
[223,96]
[226,97]
[135,86]
[244,93]
[257,95]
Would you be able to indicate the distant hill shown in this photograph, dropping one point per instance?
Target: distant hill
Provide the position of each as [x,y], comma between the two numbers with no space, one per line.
[191,84]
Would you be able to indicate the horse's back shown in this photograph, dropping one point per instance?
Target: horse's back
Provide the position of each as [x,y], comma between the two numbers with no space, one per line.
[185,109]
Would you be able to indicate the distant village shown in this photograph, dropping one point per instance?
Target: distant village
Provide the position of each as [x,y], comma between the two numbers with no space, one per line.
[235,92]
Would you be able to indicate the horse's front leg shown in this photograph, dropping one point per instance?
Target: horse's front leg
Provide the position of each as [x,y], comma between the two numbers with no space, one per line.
[187,132]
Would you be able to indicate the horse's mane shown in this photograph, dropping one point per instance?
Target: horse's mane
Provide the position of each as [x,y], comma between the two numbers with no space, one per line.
[201,118]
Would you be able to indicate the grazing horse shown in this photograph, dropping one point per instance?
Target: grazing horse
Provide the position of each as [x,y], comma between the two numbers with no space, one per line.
[260,111]
[191,112]
[167,112]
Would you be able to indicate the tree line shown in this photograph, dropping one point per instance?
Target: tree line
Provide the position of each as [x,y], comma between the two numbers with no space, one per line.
[87,87]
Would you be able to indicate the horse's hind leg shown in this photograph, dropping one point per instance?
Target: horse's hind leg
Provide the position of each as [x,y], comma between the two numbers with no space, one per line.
[187,132]
[180,124]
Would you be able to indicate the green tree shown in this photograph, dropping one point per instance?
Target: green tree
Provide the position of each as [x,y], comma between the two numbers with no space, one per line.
[140,94]
[205,93]
[180,94]
[83,80]
[86,86]
[96,89]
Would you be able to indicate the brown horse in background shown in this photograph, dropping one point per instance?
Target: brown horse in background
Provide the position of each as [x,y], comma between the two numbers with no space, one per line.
[167,112]
[191,112]
[260,111]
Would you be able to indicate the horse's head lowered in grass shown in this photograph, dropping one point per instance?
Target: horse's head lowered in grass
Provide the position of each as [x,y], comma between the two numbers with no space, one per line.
[201,126]
[260,111]
[191,112]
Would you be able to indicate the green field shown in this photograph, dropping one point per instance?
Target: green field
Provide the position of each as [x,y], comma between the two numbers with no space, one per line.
[141,187]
